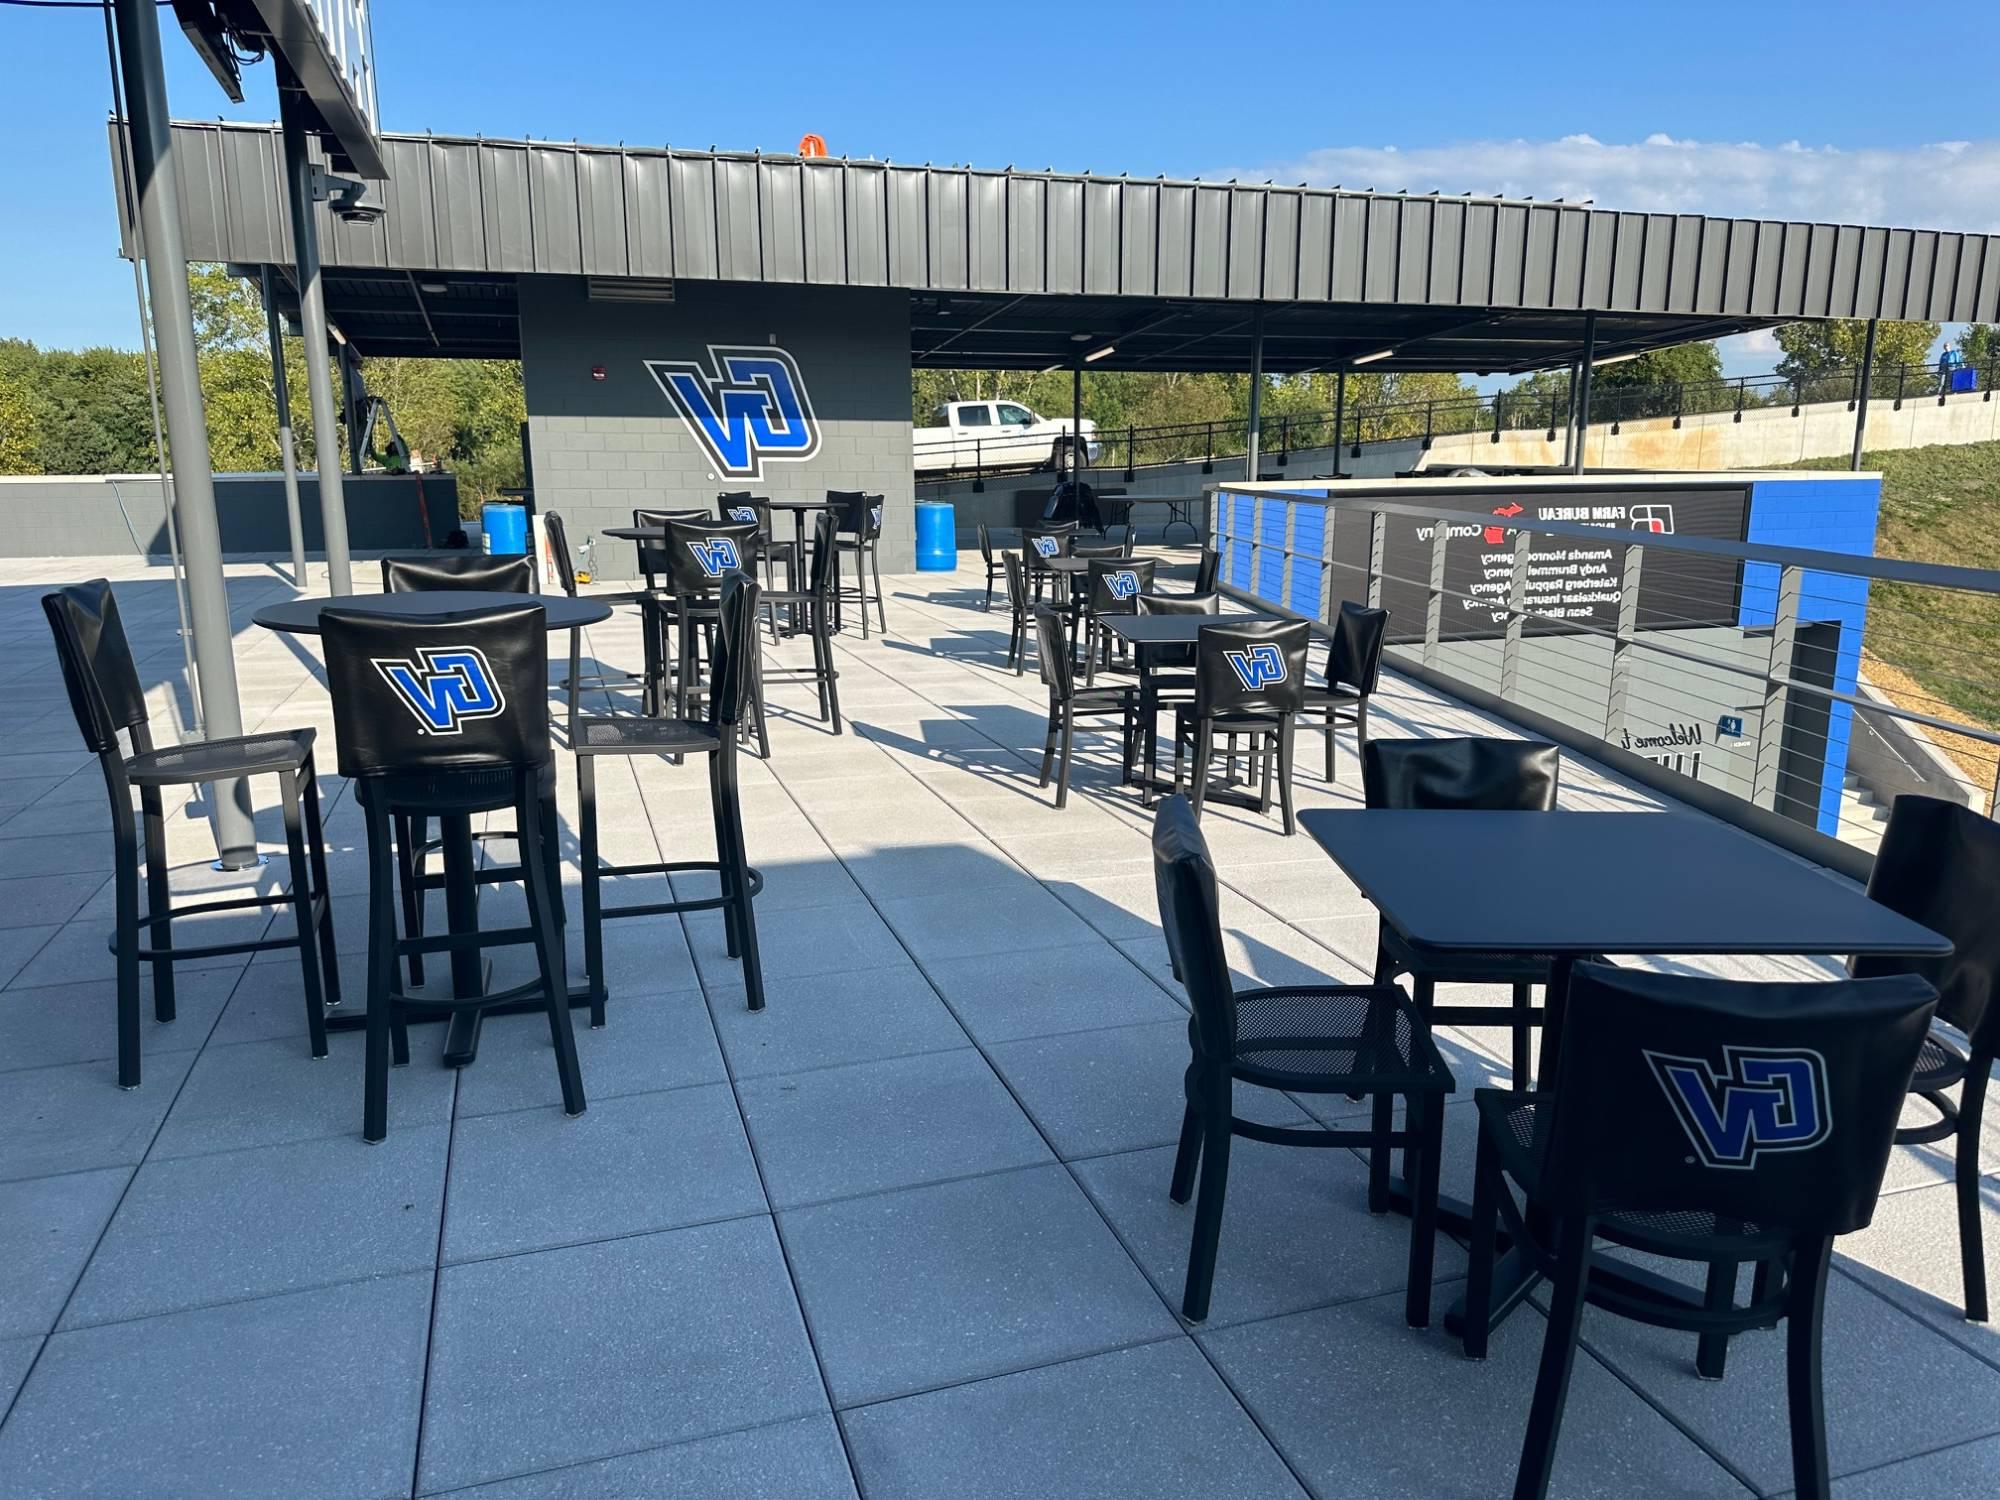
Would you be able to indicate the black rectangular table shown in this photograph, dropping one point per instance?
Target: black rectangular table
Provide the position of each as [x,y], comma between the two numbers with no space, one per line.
[1580,884]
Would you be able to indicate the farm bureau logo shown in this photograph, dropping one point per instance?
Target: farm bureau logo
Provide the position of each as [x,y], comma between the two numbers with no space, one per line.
[444,687]
[1257,667]
[1765,1099]
[1124,583]
[745,405]
[1658,519]
[716,554]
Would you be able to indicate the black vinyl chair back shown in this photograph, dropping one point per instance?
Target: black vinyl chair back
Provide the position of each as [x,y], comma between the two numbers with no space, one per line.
[819,574]
[700,554]
[1116,584]
[1052,653]
[1355,659]
[731,674]
[653,555]
[1207,571]
[1771,1104]
[985,545]
[98,671]
[1486,775]
[1040,543]
[742,505]
[459,570]
[558,535]
[1939,864]
[1190,916]
[859,514]
[1177,604]
[1251,667]
[458,693]
[1017,582]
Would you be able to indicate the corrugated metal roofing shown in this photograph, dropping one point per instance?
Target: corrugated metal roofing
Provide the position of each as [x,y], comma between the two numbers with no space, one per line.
[514,206]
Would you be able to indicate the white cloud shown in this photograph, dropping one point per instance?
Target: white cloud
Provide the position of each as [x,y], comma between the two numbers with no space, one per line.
[1946,185]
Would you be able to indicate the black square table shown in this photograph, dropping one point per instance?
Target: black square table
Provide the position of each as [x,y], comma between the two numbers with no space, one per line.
[1577,884]
[1142,632]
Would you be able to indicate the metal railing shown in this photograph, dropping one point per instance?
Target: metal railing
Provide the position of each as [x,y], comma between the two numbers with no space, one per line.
[1723,673]
[1131,447]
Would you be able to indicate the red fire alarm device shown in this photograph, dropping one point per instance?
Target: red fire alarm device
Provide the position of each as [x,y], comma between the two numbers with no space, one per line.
[597,372]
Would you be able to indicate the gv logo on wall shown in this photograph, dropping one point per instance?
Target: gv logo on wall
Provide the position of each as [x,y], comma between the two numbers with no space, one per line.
[745,405]
[444,687]
[1764,1099]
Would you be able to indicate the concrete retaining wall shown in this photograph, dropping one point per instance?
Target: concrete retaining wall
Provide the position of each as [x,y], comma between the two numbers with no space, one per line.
[113,515]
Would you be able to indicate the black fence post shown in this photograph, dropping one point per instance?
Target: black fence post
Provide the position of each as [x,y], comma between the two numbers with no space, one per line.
[1208,463]
[1742,394]
[978,466]
[1429,409]
[1284,441]
[1131,450]
[1680,403]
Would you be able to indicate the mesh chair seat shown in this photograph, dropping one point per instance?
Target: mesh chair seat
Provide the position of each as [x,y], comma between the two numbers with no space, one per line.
[1940,1064]
[1521,1132]
[1328,1038]
[636,736]
[211,760]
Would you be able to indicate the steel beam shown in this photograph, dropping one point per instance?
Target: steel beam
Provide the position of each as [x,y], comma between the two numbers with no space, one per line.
[1861,395]
[187,424]
[281,388]
[1250,458]
[1583,393]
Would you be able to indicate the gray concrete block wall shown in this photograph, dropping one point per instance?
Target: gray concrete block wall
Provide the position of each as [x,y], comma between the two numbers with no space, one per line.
[601,448]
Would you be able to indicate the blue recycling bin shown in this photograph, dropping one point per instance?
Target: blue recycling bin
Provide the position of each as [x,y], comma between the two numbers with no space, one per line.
[937,537]
[505,527]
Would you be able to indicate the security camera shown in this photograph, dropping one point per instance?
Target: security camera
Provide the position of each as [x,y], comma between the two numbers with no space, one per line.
[346,196]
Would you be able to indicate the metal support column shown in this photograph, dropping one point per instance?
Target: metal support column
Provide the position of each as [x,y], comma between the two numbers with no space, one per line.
[1777,688]
[312,327]
[1861,396]
[350,406]
[1078,449]
[1517,617]
[1250,458]
[1378,555]
[187,424]
[1339,418]
[1618,703]
[281,388]
[1583,393]
[1569,418]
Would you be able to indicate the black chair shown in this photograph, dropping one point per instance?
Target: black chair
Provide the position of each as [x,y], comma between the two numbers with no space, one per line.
[1020,606]
[1171,666]
[1939,864]
[104,693]
[1039,546]
[1703,1120]
[858,530]
[1296,1039]
[448,717]
[742,505]
[1112,587]
[812,609]
[505,574]
[656,604]
[1249,681]
[700,554]
[1207,571]
[993,569]
[1067,701]
[714,736]
[1353,667]
[463,572]
[558,538]
[1485,775]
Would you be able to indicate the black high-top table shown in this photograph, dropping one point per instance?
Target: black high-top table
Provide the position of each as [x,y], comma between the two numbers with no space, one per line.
[1585,884]
[461,889]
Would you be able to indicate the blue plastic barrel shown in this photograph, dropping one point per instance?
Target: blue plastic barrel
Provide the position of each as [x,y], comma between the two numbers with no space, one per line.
[937,537]
[505,527]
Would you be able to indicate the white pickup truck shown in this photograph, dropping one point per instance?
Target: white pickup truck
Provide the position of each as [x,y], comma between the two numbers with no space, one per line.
[996,435]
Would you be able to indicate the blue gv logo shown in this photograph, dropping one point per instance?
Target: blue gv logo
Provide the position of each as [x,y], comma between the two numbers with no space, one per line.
[742,513]
[1257,666]
[444,687]
[1047,546]
[744,405]
[1763,1100]
[1123,584]
[716,554]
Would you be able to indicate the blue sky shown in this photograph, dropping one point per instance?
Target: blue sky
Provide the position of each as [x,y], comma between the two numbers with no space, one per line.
[1820,108]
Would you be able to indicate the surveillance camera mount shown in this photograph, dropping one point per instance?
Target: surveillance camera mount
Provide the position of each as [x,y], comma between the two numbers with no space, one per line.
[346,195]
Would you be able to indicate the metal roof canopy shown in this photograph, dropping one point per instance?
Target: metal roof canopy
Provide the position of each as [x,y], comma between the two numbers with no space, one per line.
[1007,268]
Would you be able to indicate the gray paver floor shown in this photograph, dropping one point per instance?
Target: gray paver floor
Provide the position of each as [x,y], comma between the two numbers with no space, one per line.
[905,1233]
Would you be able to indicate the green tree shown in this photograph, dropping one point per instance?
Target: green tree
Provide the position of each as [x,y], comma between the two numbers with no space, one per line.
[1817,355]
[1979,343]
[20,422]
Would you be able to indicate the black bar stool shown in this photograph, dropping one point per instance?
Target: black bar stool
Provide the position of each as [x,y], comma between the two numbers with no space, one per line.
[700,554]
[448,718]
[858,528]
[656,604]
[1113,587]
[714,736]
[1067,700]
[104,693]
[1353,668]
[1249,679]
[812,609]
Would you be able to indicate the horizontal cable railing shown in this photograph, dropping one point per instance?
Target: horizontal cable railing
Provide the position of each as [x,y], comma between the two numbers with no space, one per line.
[1738,673]
[1122,451]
